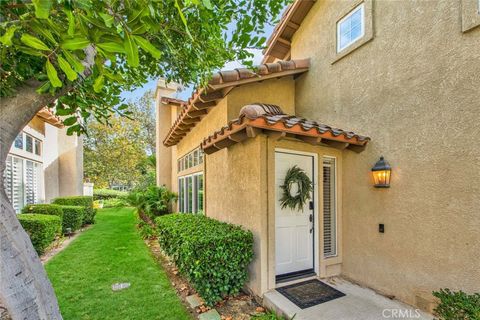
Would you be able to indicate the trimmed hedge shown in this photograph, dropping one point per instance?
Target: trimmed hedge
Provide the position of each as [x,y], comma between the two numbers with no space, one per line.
[82,201]
[103,194]
[50,209]
[72,218]
[213,255]
[41,228]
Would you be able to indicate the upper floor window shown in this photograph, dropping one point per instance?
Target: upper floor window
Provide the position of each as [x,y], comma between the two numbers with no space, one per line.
[191,159]
[29,144]
[351,27]
[19,141]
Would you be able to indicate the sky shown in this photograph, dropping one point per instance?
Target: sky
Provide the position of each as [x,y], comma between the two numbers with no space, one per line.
[150,85]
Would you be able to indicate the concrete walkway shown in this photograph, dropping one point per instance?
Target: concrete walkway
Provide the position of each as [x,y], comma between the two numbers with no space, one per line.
[357,304]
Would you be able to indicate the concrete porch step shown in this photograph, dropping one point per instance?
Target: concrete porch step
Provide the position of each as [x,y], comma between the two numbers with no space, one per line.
[357,304]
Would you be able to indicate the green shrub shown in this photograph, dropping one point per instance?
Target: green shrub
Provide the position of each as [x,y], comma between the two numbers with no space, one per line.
[213,255]
[103,194]
[72,218]
[41,228]
[457,305]
[147,232]
[115,203]
[153,201]
[50,209]
[82,201]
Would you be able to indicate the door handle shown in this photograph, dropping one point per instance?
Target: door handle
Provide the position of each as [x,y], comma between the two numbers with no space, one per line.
[310,217]
[310,205]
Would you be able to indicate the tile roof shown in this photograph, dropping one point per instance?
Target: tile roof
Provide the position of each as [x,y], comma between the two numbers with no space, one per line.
[273,122]
[47,116]
[220,85]
[174,101]
[278,45]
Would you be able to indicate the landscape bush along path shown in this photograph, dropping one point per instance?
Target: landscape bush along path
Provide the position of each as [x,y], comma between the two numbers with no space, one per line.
[112,252]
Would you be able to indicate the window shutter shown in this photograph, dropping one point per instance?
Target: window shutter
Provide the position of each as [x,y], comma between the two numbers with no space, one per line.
[329,208]
[7,178]
[17,184]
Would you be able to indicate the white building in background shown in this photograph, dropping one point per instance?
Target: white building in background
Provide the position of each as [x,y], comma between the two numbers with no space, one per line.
[43,163]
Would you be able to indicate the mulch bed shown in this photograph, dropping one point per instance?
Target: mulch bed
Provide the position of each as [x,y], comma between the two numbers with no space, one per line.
[240,307]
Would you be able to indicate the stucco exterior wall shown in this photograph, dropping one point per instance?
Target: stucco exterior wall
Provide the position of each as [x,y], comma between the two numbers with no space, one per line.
[280,92]
[414,89]
[163,154]
[236,192]
[51,163]
[70,164]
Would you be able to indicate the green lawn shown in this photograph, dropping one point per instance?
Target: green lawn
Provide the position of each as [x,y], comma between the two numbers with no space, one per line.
[110,252]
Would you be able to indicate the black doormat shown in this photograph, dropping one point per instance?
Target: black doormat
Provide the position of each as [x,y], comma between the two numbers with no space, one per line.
[309,293]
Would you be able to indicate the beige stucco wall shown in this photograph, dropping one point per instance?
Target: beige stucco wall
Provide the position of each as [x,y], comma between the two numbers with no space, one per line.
[415,90]
[280,92]
[236,191]
[70,164]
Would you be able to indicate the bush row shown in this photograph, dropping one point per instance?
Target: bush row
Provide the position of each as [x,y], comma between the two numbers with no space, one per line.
[41,228]
[71,216]
[82,201]
[213,255]
[44,222]
[103,194]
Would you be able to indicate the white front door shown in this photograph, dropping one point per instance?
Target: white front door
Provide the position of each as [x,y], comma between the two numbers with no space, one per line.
[294,229]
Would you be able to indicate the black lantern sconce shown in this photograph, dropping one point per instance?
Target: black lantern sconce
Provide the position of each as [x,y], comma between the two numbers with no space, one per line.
[381,174]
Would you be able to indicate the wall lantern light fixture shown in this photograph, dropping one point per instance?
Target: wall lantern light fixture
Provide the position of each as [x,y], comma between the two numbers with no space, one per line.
[381,174]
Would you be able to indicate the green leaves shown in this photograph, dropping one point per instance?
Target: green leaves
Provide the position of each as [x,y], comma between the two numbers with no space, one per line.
[98,84]
[71,22]
[147,46]
[52,75]
[108,19]
[33,42]
[67,69]
[113,47]
[75,43]
[214,255]
[182,17]
[131,51]
[42,8]
[74,62]
[69,121]
[6,39]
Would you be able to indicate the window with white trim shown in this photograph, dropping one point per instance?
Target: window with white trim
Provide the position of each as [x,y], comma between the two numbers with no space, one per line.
[22,181]
[191,159]
[329,208]
[190,193]
[351,27]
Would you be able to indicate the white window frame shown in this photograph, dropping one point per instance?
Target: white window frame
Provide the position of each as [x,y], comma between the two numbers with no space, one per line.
[335,194]
[38,193]
[183,203]
[360,7]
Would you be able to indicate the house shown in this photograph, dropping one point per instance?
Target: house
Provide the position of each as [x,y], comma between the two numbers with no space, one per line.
[343,83]
[43,163]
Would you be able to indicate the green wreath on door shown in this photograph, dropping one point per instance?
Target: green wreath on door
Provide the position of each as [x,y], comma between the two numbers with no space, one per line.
[298,177]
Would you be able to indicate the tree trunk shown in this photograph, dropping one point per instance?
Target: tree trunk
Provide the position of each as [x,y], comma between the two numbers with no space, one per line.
[25,290]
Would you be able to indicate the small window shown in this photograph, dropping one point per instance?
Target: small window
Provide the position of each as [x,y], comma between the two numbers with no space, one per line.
[329,208]
[19,141]
[29,143]
[351,28]
[38,147]
[195,157]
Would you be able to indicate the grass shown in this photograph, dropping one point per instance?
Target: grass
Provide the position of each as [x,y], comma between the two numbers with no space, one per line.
[110,252]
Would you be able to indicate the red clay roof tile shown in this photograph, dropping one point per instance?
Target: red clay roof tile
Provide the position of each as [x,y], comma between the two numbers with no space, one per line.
[228,79]
[272,119]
